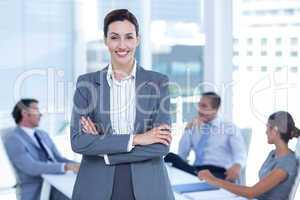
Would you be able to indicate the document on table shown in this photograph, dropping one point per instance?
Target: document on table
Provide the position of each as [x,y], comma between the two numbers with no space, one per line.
[193,187]
[213,195]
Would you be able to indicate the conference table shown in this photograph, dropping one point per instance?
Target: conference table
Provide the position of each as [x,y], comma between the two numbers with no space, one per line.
[65,183]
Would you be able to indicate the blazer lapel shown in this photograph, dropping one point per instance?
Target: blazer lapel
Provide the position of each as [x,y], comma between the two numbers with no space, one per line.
[46,145]
[26,137]
[103,101]
[141,101]
[33,149]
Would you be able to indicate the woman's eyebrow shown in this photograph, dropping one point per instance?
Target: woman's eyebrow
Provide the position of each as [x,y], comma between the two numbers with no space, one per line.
[113,33]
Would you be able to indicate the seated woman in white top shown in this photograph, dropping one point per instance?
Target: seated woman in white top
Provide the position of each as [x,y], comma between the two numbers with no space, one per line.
[277,174]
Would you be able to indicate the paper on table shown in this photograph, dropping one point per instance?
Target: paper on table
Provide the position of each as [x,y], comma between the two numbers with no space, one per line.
[180,177]
[193,187]
[213,195]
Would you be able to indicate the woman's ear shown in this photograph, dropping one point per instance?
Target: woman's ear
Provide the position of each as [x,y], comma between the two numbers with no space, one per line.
[275,128]
[276,131]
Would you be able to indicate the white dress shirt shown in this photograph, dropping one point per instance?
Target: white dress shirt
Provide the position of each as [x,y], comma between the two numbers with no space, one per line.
[122,104]
[30,133]
[225,145]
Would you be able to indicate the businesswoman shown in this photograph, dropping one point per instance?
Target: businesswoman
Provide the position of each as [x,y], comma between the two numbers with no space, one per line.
[121,123]
[277,174]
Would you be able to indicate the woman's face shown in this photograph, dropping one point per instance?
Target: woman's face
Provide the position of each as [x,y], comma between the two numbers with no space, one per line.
[271,134]
[122,42]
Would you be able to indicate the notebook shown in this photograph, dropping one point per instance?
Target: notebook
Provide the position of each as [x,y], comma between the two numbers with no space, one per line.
[193,187]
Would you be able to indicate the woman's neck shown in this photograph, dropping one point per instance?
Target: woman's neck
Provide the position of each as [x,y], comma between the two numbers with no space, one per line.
[122,70]
[282,149]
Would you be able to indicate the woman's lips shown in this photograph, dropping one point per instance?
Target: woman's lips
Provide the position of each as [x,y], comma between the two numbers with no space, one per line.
[122,53]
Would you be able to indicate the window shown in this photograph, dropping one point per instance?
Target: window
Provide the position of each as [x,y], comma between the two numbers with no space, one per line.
[294,54]
[263,41]
[261,12]
[37,50]
[289,11]
[294,41]
[278,53]
[294,69]
[278,41]
[247,13]
[274,12]
[250,41]
[180,55]
[263,53]
[264,68]
[235,41]
[235,53]
[250,68]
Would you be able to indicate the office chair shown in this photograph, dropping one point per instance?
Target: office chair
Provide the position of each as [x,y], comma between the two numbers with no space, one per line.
[8,167]
[297,180]
[247,134]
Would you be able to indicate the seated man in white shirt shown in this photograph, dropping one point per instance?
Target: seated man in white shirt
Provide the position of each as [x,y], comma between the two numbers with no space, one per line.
[33,153]
[218,145]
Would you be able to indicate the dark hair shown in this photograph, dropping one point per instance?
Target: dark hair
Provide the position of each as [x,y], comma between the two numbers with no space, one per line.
[285,125]
[215,99]
[120,15]
[21,105]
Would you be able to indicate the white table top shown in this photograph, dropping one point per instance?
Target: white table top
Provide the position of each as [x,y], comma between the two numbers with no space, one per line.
[177,176]
[213,195]
[65,184]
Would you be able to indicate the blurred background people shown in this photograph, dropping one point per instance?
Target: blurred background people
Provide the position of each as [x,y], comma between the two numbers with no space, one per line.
[218,145]
[33,153]
[278,172]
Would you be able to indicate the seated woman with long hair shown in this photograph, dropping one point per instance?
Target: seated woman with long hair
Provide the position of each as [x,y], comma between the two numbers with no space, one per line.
[277,174]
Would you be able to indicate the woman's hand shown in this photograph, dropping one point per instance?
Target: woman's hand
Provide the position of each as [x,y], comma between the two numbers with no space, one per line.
[161,134]
[207,176]
[233,173]
[88,126]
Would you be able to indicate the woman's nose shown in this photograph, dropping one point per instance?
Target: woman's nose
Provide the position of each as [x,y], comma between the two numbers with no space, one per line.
[122,44]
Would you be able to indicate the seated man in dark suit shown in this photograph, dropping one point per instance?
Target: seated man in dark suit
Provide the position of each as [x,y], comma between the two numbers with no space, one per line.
[33,153]
[218,145]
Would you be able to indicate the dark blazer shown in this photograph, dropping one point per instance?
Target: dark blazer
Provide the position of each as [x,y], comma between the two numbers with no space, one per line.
[149,175]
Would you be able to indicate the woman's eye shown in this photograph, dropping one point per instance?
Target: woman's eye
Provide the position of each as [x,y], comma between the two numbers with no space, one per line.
[129,37]
[113,38]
